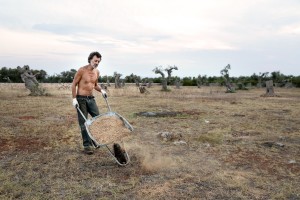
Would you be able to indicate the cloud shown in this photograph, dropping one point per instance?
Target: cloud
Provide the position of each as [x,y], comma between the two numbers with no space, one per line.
[140,33]
[292,29]
[61,29]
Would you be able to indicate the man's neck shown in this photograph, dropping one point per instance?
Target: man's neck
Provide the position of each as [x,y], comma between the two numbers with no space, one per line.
[90,67]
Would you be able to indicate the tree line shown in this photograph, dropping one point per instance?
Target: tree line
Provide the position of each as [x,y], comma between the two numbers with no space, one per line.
[13,75]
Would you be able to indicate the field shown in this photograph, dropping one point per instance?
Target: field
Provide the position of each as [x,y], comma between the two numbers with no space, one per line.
[202,144]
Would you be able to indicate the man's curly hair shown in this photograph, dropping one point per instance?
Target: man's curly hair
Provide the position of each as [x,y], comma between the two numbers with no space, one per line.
[95,53]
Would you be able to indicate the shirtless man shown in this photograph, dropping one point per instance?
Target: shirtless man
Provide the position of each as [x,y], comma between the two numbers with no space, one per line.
[86,80]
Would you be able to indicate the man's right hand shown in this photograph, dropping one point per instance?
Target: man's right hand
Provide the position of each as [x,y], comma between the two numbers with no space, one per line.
[75,102]
[104,93]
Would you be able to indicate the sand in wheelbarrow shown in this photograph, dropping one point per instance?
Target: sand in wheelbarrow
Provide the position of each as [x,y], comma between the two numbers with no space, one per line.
[108,129]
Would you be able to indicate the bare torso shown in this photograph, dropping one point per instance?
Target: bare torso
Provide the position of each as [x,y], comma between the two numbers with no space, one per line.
[86,80]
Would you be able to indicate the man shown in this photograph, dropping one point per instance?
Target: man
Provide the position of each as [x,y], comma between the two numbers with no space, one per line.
[86,80]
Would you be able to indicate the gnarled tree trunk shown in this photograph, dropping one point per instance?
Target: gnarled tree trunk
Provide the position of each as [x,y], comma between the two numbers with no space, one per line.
[117,80]
[30,81]
[158,70]
[269,89]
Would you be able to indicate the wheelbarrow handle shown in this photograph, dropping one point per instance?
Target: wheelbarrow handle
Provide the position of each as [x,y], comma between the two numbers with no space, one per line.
[77,107]
[105,98]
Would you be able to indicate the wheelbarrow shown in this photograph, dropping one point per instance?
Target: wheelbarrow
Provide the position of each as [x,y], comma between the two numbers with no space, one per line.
[96,133]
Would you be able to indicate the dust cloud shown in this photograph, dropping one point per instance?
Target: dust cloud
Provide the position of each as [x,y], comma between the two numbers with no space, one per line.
[149,158]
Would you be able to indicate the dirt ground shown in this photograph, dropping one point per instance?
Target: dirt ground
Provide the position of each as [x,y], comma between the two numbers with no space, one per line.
[211,145]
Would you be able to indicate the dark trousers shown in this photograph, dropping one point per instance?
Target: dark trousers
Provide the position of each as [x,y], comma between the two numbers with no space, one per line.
[87,105]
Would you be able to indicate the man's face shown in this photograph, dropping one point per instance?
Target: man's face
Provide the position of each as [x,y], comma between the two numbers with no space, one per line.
[95,62]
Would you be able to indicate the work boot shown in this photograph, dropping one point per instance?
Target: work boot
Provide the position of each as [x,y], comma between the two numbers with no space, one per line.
[89,150]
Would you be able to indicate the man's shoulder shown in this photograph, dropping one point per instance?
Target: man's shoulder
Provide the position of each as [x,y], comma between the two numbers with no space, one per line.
[83,68]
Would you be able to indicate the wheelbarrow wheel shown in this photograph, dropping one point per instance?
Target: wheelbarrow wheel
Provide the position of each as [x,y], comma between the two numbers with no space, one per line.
[119,153]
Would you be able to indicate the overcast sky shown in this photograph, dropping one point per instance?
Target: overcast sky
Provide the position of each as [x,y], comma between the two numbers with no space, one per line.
[135,36]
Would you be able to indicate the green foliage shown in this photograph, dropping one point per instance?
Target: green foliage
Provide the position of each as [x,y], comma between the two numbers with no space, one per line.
[215,79]
[7,74]
[173,79]
[41,75]
[189,81]
[296,81]
[63,77]
[241,86]
[67,77]
[277,77]
[224,72]
[132,78]
[103,79]
[202,80]
[156,80]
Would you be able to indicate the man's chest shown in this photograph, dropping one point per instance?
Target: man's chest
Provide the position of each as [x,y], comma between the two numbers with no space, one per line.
[90,77]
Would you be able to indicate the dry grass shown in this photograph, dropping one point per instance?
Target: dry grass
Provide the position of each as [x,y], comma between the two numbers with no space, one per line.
[223,158]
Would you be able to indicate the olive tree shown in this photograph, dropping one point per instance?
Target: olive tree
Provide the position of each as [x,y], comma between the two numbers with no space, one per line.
[117,80]
[165,80]
[30,81]
[225,74]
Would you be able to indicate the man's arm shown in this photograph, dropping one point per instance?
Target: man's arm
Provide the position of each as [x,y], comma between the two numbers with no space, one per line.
[75,82]
[103,92]
[97,86]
